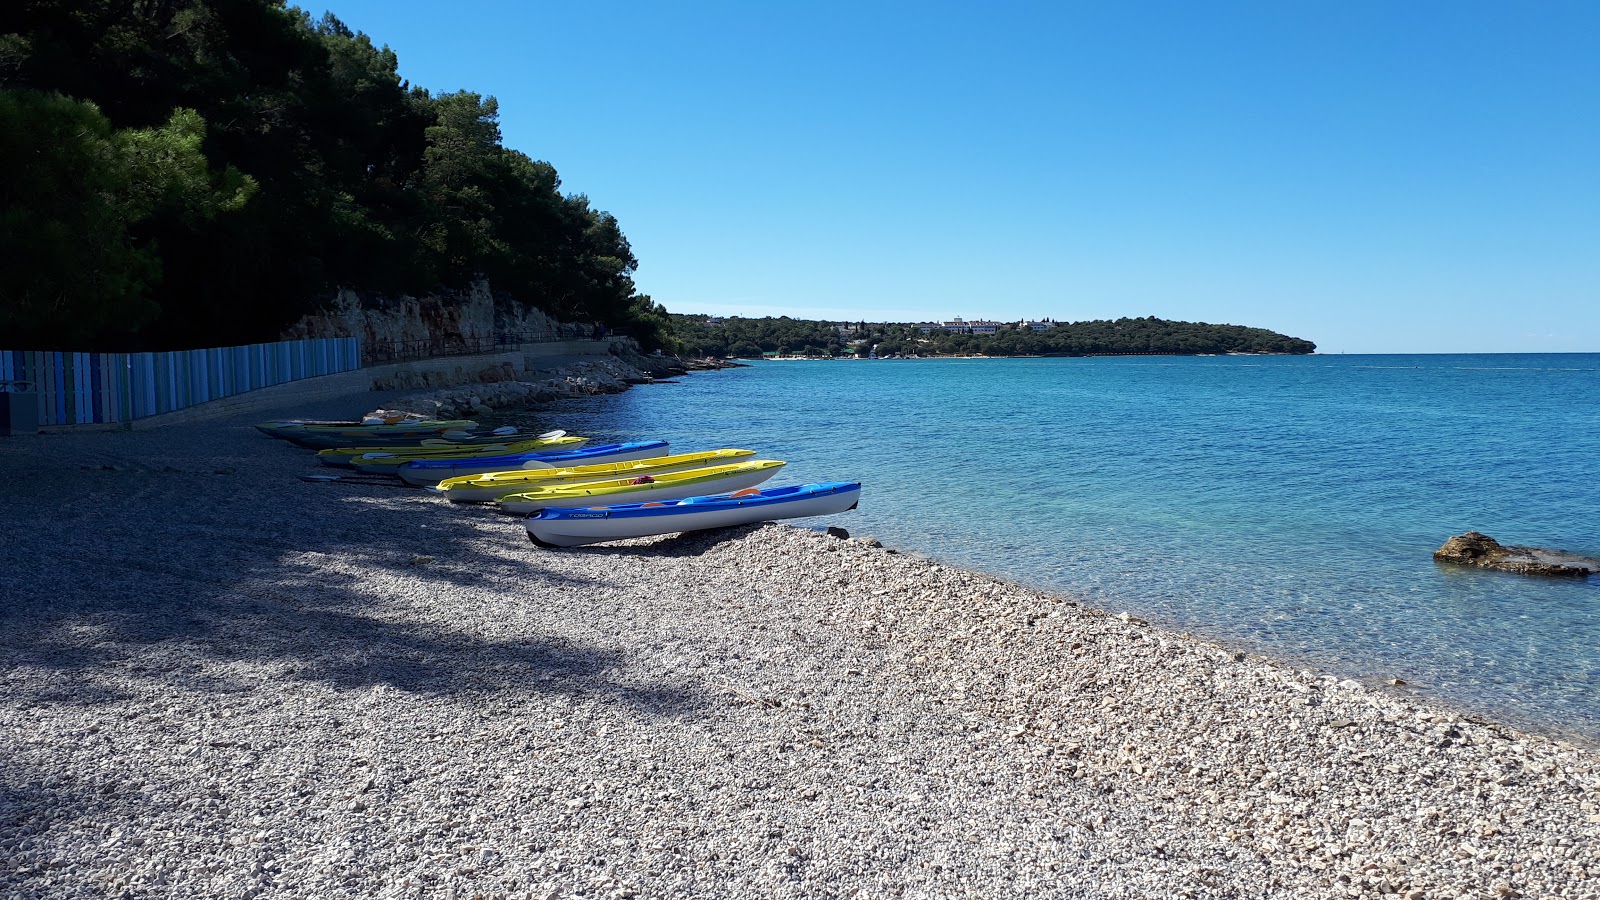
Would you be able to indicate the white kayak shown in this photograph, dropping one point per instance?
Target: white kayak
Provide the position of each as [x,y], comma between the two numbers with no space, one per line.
[555,527]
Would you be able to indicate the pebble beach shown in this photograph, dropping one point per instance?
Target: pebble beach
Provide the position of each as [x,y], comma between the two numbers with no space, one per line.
[219,680]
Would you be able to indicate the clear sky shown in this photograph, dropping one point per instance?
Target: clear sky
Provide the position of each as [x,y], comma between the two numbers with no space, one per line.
[1372,175]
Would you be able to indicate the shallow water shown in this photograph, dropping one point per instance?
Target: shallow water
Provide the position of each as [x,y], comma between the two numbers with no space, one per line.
[1288,504]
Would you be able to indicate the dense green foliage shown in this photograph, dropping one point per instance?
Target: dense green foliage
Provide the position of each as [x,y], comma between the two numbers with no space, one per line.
[73,192]
[199,172]
[749,338]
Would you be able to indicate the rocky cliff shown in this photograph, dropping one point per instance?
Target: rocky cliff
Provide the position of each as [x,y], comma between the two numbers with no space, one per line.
[450,339]
[395,327]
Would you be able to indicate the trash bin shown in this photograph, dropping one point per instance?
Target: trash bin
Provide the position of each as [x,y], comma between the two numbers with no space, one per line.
[19,408]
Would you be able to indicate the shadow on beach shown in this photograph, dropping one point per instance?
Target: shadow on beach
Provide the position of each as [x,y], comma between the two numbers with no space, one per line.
[685,545]
[180,609]
[170,571]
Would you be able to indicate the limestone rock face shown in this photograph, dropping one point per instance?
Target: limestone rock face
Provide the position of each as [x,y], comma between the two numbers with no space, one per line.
[473,314]
[1476,549]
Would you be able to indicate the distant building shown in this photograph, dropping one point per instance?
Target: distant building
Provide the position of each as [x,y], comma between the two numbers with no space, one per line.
[713,322]
[958,325]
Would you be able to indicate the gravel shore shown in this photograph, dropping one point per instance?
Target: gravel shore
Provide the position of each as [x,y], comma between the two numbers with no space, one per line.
[217,680]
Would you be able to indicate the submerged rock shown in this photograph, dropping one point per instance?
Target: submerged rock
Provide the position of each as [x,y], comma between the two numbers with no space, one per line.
[1475,549]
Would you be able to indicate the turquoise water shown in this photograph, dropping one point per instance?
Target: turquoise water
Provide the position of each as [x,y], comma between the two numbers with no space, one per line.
[1285,504]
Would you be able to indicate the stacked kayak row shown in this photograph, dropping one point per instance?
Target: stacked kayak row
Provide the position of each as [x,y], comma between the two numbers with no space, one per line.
[571,493]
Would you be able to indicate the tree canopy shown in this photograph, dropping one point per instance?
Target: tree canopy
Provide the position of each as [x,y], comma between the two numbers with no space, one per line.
[702,335]
[193,172]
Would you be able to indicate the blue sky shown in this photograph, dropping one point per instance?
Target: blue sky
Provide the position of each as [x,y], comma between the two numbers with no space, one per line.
[1418,176]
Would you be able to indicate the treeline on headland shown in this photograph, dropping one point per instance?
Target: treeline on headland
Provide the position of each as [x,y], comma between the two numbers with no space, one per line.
[750,338]
[199,172]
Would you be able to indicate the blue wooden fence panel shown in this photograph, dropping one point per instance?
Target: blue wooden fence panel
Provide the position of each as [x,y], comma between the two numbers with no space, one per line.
[84,388]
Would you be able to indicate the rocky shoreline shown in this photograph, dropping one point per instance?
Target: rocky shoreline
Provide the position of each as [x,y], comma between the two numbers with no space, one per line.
[577,377]
[219,680]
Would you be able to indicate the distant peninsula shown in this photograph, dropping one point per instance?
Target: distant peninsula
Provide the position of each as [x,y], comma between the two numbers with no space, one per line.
[742,338]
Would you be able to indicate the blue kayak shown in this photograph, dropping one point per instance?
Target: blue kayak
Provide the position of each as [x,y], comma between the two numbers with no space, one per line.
[573,527]
[429,472]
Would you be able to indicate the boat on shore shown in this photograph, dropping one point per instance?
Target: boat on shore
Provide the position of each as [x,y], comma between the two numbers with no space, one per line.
[446,441]
[318,435]
[557,527]
[429,472]
[390,457]
[491,486]
[671,486]
[370,424]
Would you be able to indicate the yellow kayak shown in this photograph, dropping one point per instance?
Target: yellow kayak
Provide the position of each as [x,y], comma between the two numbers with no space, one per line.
[492,486]
[348,457]
[669,486]
[389,461]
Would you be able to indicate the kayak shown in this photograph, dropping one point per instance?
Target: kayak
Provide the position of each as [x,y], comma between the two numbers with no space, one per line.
[463,439]
[670,486]
[449,440]
[368,426]
[556,527]
[387,463]
[429,472]
[352,457]
[418,439]
[491,486]
[347,434]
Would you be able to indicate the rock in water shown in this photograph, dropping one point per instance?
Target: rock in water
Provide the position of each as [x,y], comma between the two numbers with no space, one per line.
[1475,549]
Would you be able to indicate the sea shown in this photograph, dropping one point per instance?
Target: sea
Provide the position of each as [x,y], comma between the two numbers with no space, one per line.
[1286,505]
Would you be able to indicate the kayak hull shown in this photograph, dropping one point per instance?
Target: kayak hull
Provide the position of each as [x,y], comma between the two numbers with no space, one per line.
[428,473]
[559,527]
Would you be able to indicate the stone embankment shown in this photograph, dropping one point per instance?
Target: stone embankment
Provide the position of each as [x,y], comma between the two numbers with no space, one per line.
[502,387]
